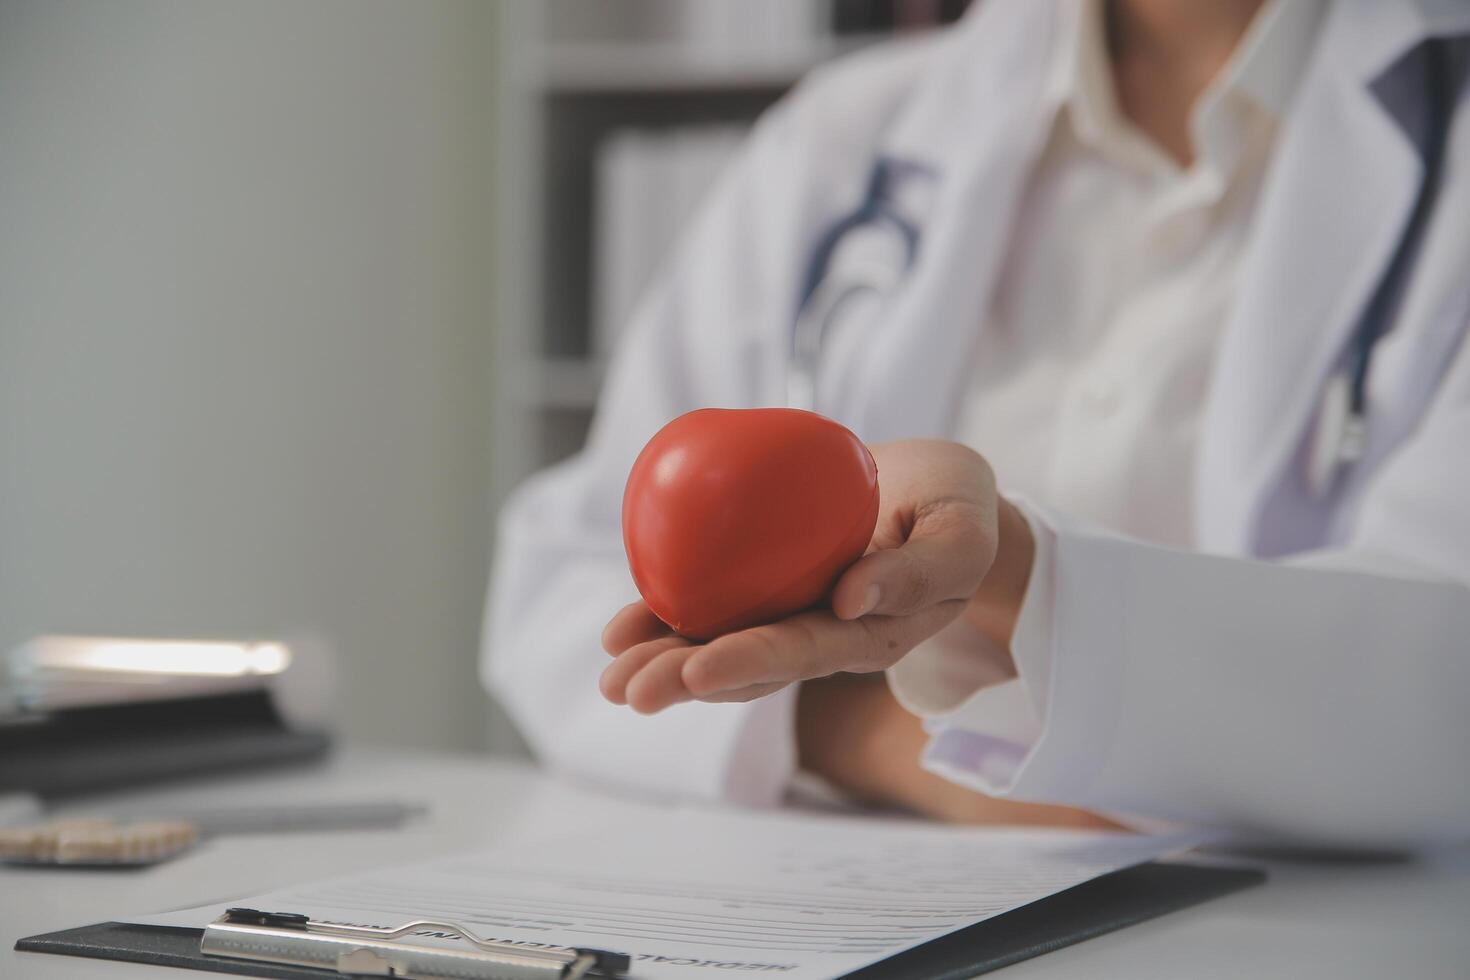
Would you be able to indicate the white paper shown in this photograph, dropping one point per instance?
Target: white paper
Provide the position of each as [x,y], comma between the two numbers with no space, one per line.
[700,893]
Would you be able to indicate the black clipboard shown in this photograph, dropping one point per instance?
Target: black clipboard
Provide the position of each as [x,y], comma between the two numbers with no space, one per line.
[1112,901]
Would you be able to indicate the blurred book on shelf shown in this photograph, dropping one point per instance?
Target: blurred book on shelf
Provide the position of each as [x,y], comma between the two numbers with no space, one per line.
[621,125]
[649,183]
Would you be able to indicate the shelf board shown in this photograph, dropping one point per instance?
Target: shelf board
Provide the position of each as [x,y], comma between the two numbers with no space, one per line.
[620,67]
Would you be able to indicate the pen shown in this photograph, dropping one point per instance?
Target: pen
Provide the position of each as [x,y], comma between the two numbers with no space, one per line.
[294,818]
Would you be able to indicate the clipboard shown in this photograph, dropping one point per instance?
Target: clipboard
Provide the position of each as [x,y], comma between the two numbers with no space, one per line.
[1101,905]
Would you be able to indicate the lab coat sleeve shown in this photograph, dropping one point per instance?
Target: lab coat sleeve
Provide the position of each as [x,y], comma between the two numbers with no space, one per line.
[703,336]
[1323,698]
[946,682]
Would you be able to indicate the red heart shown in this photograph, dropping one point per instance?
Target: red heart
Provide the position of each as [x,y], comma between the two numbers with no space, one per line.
[736,517]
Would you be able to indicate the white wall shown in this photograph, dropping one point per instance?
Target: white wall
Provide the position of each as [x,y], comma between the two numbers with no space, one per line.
[244,332]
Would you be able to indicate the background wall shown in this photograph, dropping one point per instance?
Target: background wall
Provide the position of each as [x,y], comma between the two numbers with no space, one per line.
[245,333]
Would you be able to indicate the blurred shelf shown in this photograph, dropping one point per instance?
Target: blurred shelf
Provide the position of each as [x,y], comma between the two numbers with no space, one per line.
[623,67]
[572,72]
[567,382]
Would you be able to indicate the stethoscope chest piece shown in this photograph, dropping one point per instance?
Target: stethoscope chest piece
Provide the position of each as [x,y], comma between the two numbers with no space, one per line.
[1340,437]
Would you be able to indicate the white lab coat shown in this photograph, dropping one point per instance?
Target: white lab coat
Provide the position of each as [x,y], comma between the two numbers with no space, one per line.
[1306,674]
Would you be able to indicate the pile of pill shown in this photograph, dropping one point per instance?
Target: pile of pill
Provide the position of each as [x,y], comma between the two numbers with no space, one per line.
[96,842]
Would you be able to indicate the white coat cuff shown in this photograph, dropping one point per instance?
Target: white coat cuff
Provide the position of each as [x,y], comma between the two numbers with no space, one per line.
[990,741]
[982,728]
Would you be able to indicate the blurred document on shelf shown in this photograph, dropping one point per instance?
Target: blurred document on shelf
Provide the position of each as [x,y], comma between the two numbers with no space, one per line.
[797,895]
[648,185]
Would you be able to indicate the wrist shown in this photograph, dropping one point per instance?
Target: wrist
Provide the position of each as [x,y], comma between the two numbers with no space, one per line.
[996,605]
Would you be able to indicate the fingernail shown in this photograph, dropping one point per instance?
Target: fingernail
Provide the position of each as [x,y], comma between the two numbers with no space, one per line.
[870,599]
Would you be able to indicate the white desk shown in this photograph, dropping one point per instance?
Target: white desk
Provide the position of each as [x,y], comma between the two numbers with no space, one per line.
[1400,920]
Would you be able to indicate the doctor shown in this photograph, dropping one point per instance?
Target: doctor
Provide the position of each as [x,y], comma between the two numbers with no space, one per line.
[1189,284]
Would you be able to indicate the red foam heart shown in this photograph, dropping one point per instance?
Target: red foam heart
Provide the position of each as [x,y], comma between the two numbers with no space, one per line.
[736,517]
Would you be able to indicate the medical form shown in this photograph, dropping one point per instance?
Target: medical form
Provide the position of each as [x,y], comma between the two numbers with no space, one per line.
[691,891]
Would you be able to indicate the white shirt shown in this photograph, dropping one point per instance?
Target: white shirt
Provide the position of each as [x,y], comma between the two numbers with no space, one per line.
[1091,370]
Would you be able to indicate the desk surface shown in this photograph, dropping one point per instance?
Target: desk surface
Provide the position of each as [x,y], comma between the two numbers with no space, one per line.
[1313,919]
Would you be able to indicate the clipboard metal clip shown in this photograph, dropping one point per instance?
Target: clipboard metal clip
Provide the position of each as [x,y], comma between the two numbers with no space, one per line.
[351,950]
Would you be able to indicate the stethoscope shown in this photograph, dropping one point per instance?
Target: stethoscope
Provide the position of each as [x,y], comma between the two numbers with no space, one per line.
[867,253]
[861,258]
[1341,436]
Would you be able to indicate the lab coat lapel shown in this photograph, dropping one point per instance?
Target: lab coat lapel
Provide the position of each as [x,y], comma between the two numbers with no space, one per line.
[1330,215]
[978,122]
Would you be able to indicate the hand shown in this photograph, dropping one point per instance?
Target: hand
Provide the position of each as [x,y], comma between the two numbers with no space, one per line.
[945,543]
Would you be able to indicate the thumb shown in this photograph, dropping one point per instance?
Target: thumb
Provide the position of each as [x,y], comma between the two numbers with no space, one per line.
[949,549]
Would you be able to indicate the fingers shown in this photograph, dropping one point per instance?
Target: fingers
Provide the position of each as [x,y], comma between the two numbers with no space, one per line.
[750,693]
[659,684]
[753,663]
[615,679]
[808,645]
[936,537]
[649,678]
[949,548]
[635,623]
